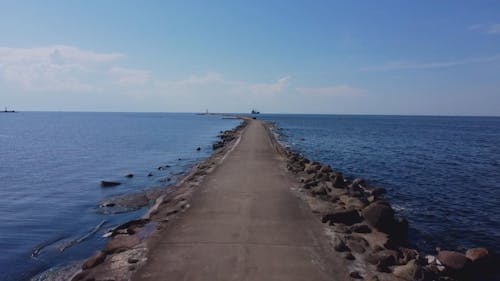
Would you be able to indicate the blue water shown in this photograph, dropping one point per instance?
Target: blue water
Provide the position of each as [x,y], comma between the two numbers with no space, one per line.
[442,173]
[51,165]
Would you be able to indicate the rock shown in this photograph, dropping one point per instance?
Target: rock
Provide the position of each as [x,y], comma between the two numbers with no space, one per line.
[352,202]
[129,176]
[339,245]
[349,256]
[477,255]
[109,183]
[150,174]
[94,260]
[198,148]
[121,243]
[347,217]
[325,169]
[407,255]
[311,168]
[338,181]
[132,260]
[318,190]
[355,275]
[384,257]
[453,260]
[407,271]
[380,216]
[361,228]
[356,246]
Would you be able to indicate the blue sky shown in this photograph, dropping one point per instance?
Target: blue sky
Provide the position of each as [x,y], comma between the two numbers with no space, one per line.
[359,57]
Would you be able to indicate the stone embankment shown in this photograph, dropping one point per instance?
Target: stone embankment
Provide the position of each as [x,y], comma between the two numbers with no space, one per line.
[126,248]
[367,231]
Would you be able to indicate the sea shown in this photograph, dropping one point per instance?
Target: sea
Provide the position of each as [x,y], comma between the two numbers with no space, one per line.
[442,173]
[51,165]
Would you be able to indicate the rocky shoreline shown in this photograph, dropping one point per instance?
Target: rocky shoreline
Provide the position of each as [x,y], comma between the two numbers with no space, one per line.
[365,229]
[126,250]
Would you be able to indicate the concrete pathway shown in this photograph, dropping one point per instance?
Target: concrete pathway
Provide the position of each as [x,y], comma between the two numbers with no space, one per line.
[245,224]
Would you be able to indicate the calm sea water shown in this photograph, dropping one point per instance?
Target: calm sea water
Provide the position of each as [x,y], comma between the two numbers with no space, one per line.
[51,165]
[442,173]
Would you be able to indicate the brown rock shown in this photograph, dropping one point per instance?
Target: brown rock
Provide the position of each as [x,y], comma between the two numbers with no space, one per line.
[349,256]
[407,255]
[347,217]
[407,271]
[453,260]
[477,254]
[325,169]
[361,228]
[94,260]
[380,215]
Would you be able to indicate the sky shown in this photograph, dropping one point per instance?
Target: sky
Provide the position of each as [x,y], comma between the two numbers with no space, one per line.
[326,57]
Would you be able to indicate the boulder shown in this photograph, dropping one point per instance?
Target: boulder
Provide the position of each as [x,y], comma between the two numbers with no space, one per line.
[338,181]
[311,168]
[325,169]
[94,260]
[352,202]
[407,271]
[453,260]
[347,217]
[109,183]
[361,228]
[477,254]
[407,255]
[380,215]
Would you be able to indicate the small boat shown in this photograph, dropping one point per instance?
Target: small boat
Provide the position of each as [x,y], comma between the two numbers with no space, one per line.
[255,111]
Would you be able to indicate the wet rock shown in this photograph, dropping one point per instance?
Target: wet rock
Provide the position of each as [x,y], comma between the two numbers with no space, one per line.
[453,260]
[380,215]
[477,255]
[129,176]
[109,183]
[383,259]
[347,217]
[407,271]
[94,260]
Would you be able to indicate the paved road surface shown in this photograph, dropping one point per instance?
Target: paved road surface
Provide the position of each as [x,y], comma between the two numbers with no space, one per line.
[245,224]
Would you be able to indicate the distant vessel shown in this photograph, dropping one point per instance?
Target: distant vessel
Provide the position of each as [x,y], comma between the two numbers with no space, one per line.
[8,111]
[255,111]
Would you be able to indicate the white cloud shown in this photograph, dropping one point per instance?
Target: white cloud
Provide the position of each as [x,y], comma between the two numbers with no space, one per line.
[54,68]
[493,28]
[428,65]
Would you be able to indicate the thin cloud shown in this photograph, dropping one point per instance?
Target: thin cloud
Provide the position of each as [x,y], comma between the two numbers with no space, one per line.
[493,28]
[341,90]
[127,76]
[429,65]
[63,68]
